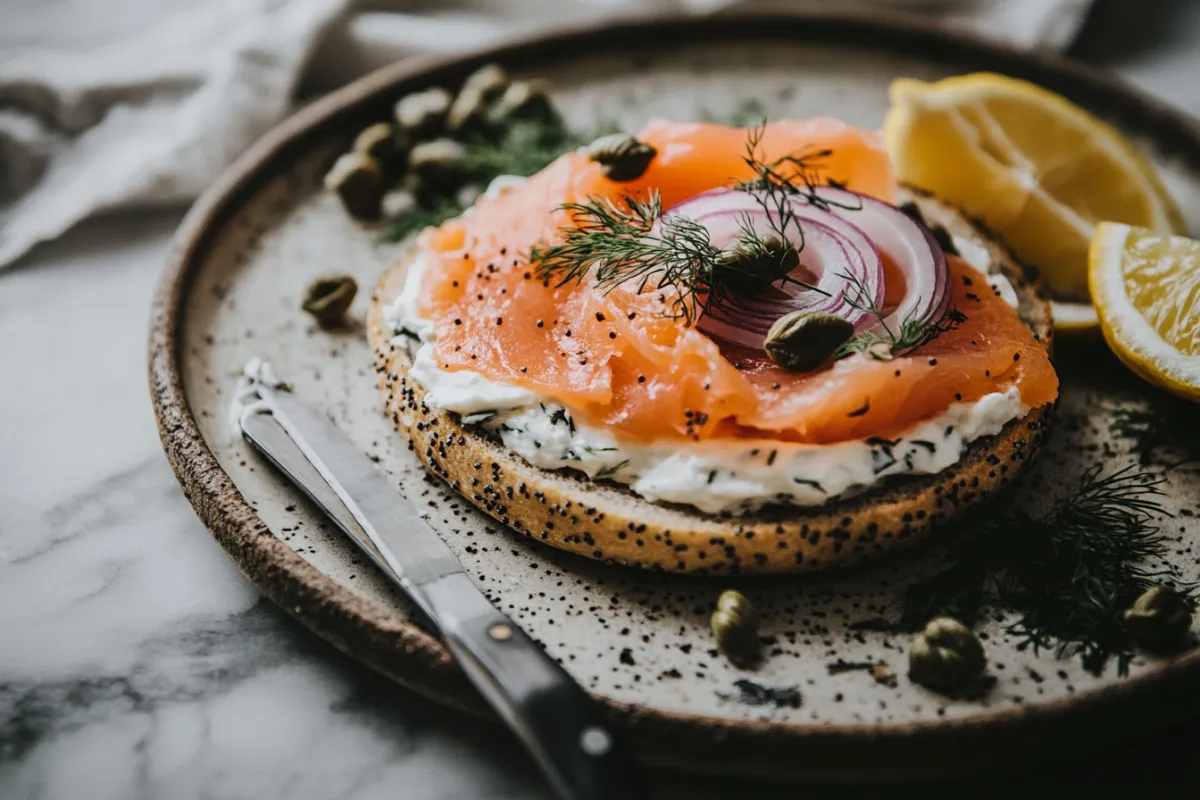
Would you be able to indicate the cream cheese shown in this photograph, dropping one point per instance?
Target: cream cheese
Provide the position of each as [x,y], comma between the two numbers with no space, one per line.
[712,475]
[1005,290]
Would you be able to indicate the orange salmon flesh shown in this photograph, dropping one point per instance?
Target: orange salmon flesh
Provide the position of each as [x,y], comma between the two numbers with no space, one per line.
[615,360]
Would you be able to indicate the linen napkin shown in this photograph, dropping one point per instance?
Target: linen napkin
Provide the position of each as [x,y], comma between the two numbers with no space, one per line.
[108,104]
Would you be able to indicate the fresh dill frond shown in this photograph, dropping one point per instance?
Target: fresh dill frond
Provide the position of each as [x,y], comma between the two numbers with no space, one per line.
[624,245]
[522,147]
[1069,574]
[912,331]
[420,218]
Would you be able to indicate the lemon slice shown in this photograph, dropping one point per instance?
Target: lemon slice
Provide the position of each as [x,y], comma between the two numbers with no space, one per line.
[1040,171]
[1146,288]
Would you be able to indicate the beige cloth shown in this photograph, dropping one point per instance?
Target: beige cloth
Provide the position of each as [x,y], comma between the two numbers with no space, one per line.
[115,103]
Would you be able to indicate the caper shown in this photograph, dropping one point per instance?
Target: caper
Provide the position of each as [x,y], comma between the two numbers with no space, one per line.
[751,264]
[1160,618]
[946,655]
[489,80]
[804,340]
[470,108]
[521,100]
[357,178]
[421,115]
[382,141]
[622,157]
[328,299]
[735,626]
[438,164]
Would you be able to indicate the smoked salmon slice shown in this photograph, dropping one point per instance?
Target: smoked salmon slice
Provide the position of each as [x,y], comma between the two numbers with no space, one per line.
[616,360]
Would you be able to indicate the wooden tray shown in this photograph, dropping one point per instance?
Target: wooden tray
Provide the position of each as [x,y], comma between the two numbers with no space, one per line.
[637,640]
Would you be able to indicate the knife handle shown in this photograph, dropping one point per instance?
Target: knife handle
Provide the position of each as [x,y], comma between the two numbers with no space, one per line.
[558,722]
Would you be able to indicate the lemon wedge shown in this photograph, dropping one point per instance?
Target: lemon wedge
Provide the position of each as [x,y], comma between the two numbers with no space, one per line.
[1146,289]
[1040,171]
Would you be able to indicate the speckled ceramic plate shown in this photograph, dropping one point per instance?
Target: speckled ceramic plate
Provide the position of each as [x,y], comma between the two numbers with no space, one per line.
[637,640]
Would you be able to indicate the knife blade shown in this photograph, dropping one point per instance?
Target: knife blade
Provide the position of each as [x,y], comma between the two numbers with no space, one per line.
[556,720]
[270,439]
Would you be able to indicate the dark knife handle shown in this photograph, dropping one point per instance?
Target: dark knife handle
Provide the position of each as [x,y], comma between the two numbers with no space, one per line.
[558,722]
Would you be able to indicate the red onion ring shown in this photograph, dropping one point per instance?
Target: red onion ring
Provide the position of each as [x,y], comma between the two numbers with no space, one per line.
[843,235]
[908,244]
[832,248]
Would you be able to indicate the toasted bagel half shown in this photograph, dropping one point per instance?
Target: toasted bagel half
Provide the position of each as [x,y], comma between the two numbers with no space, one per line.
[606,521]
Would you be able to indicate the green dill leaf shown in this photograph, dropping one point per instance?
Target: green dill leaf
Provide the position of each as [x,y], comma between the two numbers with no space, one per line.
[913,331]
[410,223]
[1069,574]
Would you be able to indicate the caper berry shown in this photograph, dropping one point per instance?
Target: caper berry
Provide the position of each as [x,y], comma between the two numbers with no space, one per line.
[521,100]
[735,626]
[1160,618]
[804,340]
[621,156]
[946,655]
[751,265]
[478,91]
[357,178]
[490,80]
[438,164]
[421,115]
[329,298]
[382,142]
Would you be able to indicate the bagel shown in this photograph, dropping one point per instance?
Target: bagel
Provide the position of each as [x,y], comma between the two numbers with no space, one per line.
[603,520]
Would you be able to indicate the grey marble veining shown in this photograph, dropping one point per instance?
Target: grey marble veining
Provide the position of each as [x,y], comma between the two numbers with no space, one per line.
[136,662]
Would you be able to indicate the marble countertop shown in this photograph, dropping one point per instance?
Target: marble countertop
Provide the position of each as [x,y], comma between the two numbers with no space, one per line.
[137,662]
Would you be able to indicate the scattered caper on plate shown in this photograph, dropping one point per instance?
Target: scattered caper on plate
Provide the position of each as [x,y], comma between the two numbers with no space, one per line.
[420,115]
[357,179]
[328,299]
[735,626]
[946,655]
[1160,618]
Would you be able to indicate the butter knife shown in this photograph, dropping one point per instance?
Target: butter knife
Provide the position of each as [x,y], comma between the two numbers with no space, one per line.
[558,723]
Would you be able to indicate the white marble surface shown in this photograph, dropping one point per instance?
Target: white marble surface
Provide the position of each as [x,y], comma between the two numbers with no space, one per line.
[136,662]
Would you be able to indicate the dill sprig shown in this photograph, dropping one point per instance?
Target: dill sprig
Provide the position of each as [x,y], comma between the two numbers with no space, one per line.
[1070,574]
[912,331]
[623,245]
[522,147]
[421,218]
